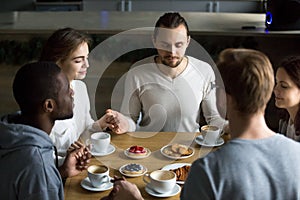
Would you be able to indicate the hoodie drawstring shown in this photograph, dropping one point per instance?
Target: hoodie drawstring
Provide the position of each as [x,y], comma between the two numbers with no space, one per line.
[56,156]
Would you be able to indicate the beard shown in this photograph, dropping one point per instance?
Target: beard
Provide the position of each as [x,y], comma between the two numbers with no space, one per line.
[164,61]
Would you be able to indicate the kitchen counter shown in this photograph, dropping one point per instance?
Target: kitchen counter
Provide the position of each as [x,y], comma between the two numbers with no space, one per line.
[103,22]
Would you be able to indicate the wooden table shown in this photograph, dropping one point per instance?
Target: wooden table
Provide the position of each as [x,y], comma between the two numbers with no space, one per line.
[151,140]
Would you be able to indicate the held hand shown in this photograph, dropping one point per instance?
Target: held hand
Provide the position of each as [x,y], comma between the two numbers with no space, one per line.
[76,160]
[83,159]
[75,145]
[123,189]
[115,121]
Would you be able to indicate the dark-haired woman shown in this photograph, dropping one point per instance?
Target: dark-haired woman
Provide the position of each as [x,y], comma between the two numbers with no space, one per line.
[287,97]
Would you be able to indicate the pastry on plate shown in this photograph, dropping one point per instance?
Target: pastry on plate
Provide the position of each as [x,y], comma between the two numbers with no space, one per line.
[177,150]
[133,169]
[137,151]
[181,172]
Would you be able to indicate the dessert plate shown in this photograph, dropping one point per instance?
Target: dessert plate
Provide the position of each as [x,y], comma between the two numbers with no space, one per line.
[126,152]
[162,150]
[176,166]
[132,175]
[174,191]
[110,150]
[199,140]
[86,184]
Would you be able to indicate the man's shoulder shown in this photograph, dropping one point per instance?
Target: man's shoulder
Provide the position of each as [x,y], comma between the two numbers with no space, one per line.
[287,142]
[272,145]
[196,61]
[145,61]
[142,66]
[201,68]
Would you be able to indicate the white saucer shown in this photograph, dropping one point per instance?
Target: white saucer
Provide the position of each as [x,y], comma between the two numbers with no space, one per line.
[176,166]
[86,184]
[133,175]
[199,140]
[175,191]
[110,150]
[126,152]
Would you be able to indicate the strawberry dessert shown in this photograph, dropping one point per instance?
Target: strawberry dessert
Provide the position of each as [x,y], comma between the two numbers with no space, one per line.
[137,150]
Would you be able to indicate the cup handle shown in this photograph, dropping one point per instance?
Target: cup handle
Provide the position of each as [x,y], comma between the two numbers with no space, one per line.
[88,143]
[107,179]
[146,178]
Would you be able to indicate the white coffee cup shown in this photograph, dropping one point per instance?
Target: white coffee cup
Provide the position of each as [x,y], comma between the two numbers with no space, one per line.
[98,175]
[210,134]
[99,141]
[161,181]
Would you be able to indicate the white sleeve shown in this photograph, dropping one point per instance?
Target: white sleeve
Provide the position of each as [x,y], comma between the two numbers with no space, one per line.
[209,105]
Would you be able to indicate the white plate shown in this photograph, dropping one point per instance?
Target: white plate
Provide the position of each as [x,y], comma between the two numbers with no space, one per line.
[175,166]
[110,150]
[86,184]
[126,152]
[199,140]
[132,175]
[175,191]
[174,157]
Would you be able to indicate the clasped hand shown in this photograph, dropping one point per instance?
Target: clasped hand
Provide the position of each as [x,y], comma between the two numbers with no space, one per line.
[114,121]
[77,159]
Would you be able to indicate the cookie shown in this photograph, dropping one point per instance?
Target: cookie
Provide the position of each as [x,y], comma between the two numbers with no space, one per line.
[177,150]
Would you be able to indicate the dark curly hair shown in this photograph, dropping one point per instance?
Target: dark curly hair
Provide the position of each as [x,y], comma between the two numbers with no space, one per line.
[34,83]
